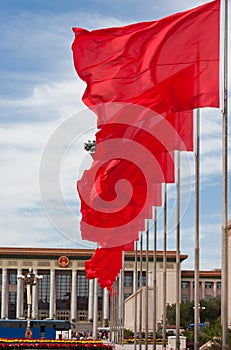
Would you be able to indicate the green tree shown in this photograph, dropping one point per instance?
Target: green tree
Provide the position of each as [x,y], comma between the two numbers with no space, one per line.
[186,314]
[210,312]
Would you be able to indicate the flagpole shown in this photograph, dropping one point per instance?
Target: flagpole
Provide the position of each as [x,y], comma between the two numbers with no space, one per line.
[154,282]
[197,239]
[135,301]
[146,289]
[95,310]
[119,307]
[141,283]
[178,254]
[116,310]
[121,302]
[224,295]
[164,266]
[122,295]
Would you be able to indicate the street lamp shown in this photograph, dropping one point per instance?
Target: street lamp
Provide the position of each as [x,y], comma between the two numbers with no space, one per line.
[90,146]
[199,308]
[30,279]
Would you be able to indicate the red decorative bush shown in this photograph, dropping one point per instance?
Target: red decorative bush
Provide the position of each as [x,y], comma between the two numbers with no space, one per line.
[10,344]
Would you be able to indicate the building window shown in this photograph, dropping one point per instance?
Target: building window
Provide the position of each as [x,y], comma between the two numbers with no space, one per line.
[82,315]
[218,285]
[128,279]
[82,291]
[126,295]
[208,297]
[184,298]
[100,301]
[184,285]
[12,277]
[44,294]
[63,315]
[63,291]
[12,305]
[208,285]
[1,277]
[143,278]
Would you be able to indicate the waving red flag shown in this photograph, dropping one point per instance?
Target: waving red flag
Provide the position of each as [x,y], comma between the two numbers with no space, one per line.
[165,68]
[116,197]
[105,265]
[169,64]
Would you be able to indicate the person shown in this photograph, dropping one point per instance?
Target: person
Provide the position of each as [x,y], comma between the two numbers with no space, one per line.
[28,333]
[105,335]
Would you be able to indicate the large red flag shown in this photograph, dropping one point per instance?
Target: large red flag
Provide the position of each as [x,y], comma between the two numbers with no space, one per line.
[117,195]
[164,67]
[172,62]
[158,133]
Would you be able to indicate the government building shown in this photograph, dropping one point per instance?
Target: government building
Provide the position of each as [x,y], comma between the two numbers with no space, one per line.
[64,293]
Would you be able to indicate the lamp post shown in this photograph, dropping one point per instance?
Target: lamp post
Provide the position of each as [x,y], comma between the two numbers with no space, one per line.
[30,280]
[90,146]
[199,314]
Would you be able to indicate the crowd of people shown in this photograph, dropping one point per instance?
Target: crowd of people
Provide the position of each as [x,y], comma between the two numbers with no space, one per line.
[102,335]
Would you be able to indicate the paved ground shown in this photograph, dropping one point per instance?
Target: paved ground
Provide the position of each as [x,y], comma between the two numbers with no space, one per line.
[131,347]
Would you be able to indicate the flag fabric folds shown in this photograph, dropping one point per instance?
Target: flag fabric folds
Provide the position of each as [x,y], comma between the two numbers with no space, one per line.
[173,61]
[143,82]
[105,265]
[113,213]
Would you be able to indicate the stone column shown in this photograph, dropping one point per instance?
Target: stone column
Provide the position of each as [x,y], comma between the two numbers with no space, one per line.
[191,291]
[4,293]
[105,304]
[150,279]
[202,289]
[214,289]
[19,301]
[90,300]
[74,295]
[34,313]
[134,282]
[52,294]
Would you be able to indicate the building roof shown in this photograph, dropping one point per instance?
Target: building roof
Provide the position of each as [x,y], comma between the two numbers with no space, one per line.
[77,253]
[216,273]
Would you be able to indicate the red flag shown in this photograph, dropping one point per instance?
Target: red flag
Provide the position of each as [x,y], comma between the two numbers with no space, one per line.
[116,196]
[158,133]
[105,265]
[169,64]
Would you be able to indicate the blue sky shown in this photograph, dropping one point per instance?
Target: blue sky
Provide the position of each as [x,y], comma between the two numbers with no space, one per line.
[42,119]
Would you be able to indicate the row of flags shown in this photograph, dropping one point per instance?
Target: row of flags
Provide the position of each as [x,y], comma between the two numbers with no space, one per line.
[142,81]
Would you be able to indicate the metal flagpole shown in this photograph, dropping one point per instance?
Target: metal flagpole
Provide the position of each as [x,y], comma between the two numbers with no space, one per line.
[197,241]
[154,282]
[224,295]
[135,301]
[112,315]
[117,310]
[95,310]
[178,254]
[146,287]
[122,304]
[120,308]
[164,266]
[141,285]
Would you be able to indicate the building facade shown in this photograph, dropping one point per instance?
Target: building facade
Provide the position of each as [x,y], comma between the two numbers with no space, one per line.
[64,293]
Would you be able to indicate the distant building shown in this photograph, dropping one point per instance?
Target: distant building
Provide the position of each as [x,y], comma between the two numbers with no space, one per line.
[209,284]
[65,294]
